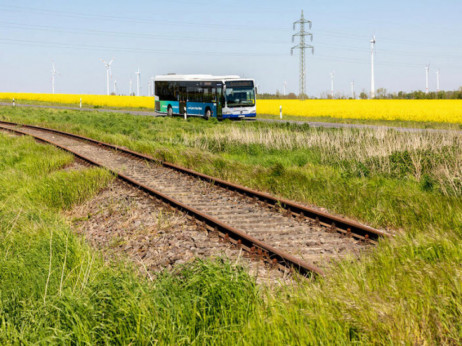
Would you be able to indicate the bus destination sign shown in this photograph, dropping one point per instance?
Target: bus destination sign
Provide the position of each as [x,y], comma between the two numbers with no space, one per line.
[237,84]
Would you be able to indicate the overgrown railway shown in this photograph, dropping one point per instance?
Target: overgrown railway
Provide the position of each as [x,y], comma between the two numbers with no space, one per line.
[277,230]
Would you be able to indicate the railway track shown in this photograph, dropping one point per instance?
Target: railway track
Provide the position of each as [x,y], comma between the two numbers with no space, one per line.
[277,230]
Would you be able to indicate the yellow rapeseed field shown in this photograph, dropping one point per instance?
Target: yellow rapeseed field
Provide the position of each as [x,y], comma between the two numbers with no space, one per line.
[92,100]
[447,111]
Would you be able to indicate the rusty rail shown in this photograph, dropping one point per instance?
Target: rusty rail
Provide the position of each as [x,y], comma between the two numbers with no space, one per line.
[253,245]
[339,224]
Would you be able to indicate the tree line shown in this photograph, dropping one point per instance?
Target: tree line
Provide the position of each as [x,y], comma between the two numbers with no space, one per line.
[380,94]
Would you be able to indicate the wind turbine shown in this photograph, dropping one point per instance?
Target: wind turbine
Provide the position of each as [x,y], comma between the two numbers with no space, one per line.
[115,87]
[438,80]
[332,75]
[130,90]
[108,73]
[372,68]
[54,73]
[427,70]
[138,74]
[285,85]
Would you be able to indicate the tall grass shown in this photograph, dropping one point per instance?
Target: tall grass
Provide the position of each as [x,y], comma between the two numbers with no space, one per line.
[55,289]
[406,290]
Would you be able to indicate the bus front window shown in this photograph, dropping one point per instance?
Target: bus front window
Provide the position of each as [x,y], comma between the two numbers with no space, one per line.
[240,96]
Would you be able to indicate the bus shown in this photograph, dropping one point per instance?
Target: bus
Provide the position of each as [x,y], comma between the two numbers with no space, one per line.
[222,97]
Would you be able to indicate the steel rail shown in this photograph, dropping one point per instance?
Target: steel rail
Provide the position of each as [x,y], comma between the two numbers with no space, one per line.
[253,245]
[334,223]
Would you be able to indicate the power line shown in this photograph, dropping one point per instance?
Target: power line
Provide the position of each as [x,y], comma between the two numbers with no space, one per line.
[163,37]
[181,37]
[137,20]
[216,26]
[336,58]
[132,49]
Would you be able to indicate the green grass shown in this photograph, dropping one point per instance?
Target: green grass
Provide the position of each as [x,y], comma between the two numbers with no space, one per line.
[406,290]
[384,178]
[391,123]
[55,289]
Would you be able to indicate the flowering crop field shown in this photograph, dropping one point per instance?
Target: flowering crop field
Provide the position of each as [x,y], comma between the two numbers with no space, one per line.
[93,100]
[444,111]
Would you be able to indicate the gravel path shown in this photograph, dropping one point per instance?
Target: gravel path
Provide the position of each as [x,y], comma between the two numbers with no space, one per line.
[298,237]
[123,221]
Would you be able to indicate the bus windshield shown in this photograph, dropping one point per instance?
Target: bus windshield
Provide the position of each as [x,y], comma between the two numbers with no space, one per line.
[240,94]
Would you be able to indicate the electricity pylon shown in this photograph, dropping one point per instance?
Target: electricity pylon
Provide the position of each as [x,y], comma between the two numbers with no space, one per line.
[373,41]
[302,46]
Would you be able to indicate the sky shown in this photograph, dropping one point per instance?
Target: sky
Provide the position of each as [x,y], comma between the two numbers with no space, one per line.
[248,38]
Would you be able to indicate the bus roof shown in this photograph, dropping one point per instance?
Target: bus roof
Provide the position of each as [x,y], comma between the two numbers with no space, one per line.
[195,77]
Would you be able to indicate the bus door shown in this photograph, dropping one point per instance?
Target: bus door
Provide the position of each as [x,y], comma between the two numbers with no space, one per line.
[182,99]
[219,101]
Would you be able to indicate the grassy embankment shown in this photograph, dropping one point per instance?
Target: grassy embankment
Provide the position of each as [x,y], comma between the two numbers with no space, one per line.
[408,289]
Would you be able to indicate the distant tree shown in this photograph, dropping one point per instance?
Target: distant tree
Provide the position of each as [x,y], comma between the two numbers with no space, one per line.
[421,95]
[324,95]
[363,96]
[381,93]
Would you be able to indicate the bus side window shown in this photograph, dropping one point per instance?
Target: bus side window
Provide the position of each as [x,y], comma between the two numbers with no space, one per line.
[208,95]
[220,97]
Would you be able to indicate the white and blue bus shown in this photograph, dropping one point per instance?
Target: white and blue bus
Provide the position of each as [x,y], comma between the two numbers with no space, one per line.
[223,97]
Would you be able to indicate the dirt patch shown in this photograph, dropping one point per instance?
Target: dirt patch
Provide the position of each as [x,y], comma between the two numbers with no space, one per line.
[76,165]
[123,221]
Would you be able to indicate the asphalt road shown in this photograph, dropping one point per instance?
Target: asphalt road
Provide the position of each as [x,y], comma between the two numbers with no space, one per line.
[311,123]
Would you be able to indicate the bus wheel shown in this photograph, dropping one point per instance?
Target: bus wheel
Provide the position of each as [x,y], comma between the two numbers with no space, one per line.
[208,114]
[170,111]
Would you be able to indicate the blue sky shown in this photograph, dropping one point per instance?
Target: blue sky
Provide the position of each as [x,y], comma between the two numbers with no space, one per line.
[249,38]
